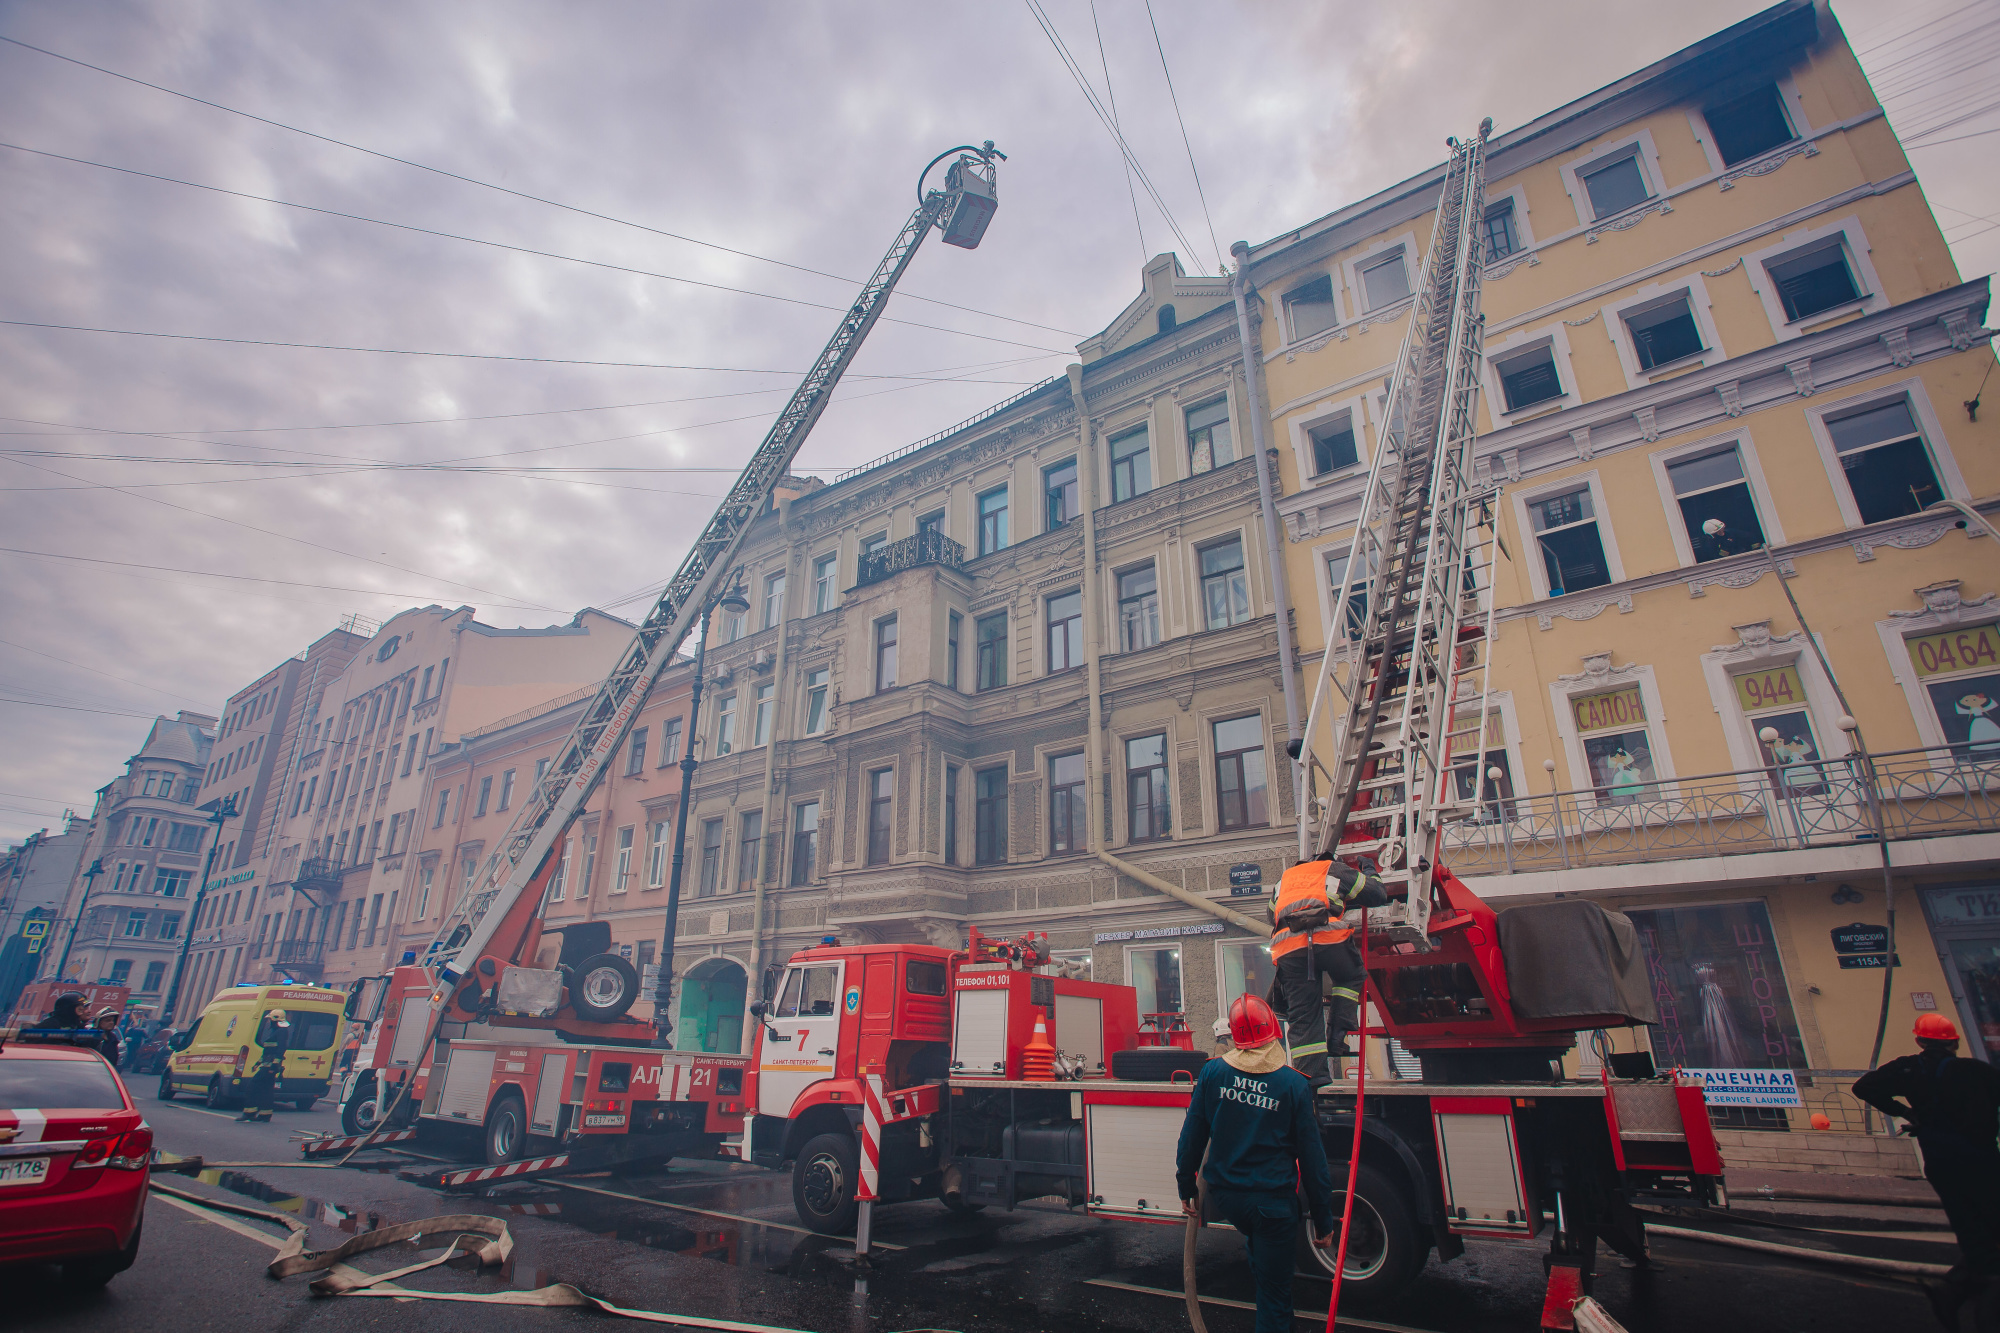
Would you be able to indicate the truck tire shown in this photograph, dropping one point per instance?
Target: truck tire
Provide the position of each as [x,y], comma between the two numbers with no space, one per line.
[1385,1249]
[603,988]
[166,1092]
[359,1113]
[1156,1064]
[218,1095]
[823,1182]
[506,1129]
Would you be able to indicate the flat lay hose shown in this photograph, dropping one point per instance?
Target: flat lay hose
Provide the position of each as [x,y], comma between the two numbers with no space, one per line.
[1354,1152]
[1194,1225]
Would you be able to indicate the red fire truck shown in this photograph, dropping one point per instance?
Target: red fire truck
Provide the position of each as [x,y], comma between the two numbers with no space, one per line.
[893,1072]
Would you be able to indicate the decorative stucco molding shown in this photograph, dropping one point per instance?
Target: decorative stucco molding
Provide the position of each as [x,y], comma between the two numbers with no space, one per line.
[1764,166]
[1627,221]
[1737,578]
[1597,670]
[1754,642]
[1584,611]
[1943,605]
[1909,539]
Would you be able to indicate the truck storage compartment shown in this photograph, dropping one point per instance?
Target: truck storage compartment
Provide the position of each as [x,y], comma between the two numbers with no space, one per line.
[979,1034]
[1132,1159]
[467,1082]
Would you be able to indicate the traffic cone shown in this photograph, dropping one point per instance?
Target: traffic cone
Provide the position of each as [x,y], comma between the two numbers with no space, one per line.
[1038,1058]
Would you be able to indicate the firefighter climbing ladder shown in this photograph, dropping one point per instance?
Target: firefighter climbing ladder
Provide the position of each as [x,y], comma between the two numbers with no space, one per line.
[1407,633]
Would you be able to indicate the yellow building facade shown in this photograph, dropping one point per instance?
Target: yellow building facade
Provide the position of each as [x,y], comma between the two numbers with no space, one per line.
[1727,354]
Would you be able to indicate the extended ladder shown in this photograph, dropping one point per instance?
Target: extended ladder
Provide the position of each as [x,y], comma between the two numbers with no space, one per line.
[1406,623]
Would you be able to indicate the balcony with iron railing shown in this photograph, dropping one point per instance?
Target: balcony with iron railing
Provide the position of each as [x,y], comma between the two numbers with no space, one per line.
[929,547]
[317,871]
[1820,803]
[299,955]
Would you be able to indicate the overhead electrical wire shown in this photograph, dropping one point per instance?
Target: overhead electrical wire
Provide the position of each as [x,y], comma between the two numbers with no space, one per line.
[1104,118]
[1192,169]
[22,647]
[503,245]
[456,356]
[518,194]
[1131,191]
[241,578]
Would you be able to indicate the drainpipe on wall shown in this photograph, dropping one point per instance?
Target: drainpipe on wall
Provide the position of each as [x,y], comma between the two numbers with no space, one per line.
[1239,286]
[1093,649]
[780,700]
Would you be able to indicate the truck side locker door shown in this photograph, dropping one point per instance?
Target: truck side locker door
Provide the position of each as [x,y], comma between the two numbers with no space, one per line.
[549,1085]
[801,1035]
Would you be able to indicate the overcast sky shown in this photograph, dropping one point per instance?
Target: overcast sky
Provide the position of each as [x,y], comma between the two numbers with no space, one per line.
[792,132]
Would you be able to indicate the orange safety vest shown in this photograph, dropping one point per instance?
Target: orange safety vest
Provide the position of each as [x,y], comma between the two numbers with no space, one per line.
[1306,882]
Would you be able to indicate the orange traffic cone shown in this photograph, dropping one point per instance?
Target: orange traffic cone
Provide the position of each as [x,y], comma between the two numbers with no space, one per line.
[1038,1058]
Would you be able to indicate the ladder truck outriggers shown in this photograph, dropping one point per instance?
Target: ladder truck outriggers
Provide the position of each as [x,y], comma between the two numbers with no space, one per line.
[983,1076]
[476,1032]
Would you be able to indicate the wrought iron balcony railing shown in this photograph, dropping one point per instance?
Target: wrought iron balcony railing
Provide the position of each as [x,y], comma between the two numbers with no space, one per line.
[929,547]
[317,870]
[1922,793]
[299,953]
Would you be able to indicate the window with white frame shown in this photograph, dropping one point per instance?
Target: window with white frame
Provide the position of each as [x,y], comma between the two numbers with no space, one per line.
[711,859]
[1612,728]
[1572,549]
[774,598]
[1888,467]
[725,724]
[1334,444]
[749,850]
[622,866]
[1663,331]
[1139,608]
[1210,444]
[1616,183]
[1528,376]
[1502,237]
[1225,585]
[816,695]
[1384,278]
[1155,972]
[1309,307]
[1718,513]
[1748,126]
[1242,967]
[766,705]
[1773,699]
[993,521]
[658,852]
[1813,280]
[1958,670]
[1357,593]
[1131,464]
[824,594]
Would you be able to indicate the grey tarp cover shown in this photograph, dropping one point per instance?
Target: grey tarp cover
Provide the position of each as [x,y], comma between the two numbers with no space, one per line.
[1573,958]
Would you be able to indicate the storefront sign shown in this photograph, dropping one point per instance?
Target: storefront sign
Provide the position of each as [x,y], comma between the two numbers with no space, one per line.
[1777,688]
[1956,650]
[1749,1087]
[1964,907]
[1157,933]
[1613,708]
[236,878]
[1245,880]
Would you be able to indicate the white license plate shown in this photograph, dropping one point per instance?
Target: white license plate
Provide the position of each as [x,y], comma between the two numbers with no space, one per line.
[602,1121]
[24,1171]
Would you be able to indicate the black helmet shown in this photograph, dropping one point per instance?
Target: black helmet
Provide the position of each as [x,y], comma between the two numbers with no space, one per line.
[67,1006]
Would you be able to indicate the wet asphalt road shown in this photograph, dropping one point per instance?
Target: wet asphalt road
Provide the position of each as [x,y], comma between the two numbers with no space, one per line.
[729,1247]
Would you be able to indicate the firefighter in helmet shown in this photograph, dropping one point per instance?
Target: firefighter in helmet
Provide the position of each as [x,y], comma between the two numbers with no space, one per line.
[273,1035]
[1309,941]
[1251,1117]
[67,1012]
[1952,1104]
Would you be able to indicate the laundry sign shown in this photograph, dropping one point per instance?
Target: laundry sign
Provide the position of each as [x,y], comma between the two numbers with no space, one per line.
[1749,1087]
[1157,933]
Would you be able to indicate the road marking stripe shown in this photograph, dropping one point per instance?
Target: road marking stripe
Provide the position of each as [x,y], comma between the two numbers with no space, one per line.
[221,1115]
[1311,1316]
[707,1212]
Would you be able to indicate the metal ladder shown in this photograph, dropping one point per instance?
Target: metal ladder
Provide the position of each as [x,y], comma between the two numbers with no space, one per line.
[1414,651]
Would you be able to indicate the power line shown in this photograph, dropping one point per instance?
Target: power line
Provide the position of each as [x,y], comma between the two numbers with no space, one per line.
[72,708]
[95,671]
[1929,23]
[518,194]
[1131,192]
[285,536]
[242,578]
[1083,85]
[457,356]
[503,245]
[1194,170]
[1939,143]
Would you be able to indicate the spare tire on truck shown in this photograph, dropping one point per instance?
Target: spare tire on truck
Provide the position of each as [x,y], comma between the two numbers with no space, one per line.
[1156,1064]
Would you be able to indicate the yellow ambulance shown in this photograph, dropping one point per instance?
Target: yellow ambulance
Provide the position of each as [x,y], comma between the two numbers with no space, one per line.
[216,1056]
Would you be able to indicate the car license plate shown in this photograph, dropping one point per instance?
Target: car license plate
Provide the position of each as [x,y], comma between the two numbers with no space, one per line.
[602,1121]
[24,1171]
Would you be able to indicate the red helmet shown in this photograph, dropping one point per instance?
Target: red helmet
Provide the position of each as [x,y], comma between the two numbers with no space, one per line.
[1251,1022]
[1934,1027]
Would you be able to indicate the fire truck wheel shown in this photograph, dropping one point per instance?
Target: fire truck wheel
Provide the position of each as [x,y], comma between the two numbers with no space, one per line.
[506,1128]
[359,1113]
[1156,1064]
[166,1092]
[1384,1247]
[603,988]
[823,1181]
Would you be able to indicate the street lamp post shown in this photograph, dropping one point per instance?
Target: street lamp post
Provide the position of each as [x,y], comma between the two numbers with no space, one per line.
[219,812]
[89,883]
[735,603]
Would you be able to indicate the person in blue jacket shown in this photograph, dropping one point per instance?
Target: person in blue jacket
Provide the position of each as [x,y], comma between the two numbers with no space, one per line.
[1252,1115]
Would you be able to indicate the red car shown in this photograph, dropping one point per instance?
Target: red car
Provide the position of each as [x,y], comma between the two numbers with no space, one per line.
[74,1159]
